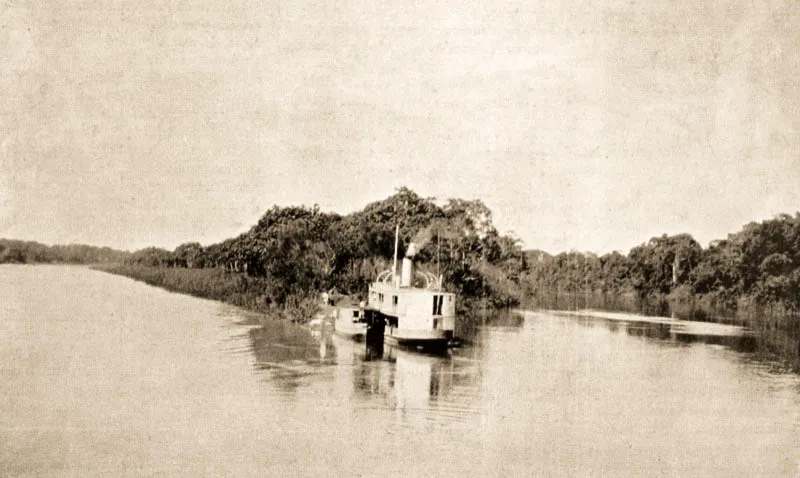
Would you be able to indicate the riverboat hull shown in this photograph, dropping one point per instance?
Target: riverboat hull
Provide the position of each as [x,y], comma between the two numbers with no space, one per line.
[417,338]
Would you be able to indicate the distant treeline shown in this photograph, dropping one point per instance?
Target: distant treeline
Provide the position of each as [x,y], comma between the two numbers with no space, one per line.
[757,268]
[29,252]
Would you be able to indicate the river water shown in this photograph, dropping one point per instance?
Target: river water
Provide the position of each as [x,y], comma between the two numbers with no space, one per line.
[104,376]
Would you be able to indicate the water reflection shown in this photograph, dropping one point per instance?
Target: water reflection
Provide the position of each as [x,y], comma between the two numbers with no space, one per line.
[469,328]
[289,357]
[780,347]
[670,330]
[146,382]
[412,383]
[405,379]
[743,344]
[409,379]
[287,353]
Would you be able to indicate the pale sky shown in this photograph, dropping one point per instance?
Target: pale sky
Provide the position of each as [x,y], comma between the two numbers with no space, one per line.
[582,125]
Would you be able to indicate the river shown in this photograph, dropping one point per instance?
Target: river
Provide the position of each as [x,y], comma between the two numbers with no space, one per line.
[104,376]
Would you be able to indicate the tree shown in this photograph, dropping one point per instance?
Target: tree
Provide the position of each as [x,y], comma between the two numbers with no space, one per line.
[663,263]
[189,254]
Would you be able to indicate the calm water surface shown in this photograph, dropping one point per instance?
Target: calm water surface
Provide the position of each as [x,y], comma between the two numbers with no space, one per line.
[104,376]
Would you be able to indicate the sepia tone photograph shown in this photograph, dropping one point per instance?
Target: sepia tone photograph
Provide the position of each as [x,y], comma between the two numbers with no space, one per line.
[303,238]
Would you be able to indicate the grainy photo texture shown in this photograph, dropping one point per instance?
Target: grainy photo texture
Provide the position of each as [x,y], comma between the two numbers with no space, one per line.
[391,238]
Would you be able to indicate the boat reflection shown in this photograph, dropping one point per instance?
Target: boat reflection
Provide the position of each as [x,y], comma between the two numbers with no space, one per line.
[289,357]
[404,379]
[419,379]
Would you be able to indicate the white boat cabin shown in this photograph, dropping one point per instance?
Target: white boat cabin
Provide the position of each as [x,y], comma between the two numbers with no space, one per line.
[406,307]
[413,308]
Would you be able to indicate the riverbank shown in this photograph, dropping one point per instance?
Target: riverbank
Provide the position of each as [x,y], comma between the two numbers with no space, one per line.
[248,292]
[234,288]
[777,329]
[679,304]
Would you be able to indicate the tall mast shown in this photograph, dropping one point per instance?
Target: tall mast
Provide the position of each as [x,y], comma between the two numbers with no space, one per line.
[438,259]
[394,264]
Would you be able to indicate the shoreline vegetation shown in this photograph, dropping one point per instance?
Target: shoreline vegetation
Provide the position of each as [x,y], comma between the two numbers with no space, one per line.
[217,284]
[281,265]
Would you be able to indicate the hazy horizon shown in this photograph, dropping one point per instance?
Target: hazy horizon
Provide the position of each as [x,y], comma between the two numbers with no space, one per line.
[172,246]
[582,126]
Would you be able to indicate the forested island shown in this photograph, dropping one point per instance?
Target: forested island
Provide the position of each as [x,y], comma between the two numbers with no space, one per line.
[292,254]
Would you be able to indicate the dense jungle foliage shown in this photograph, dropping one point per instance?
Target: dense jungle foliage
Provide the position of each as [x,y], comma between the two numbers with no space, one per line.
[756,270]
[298,252]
